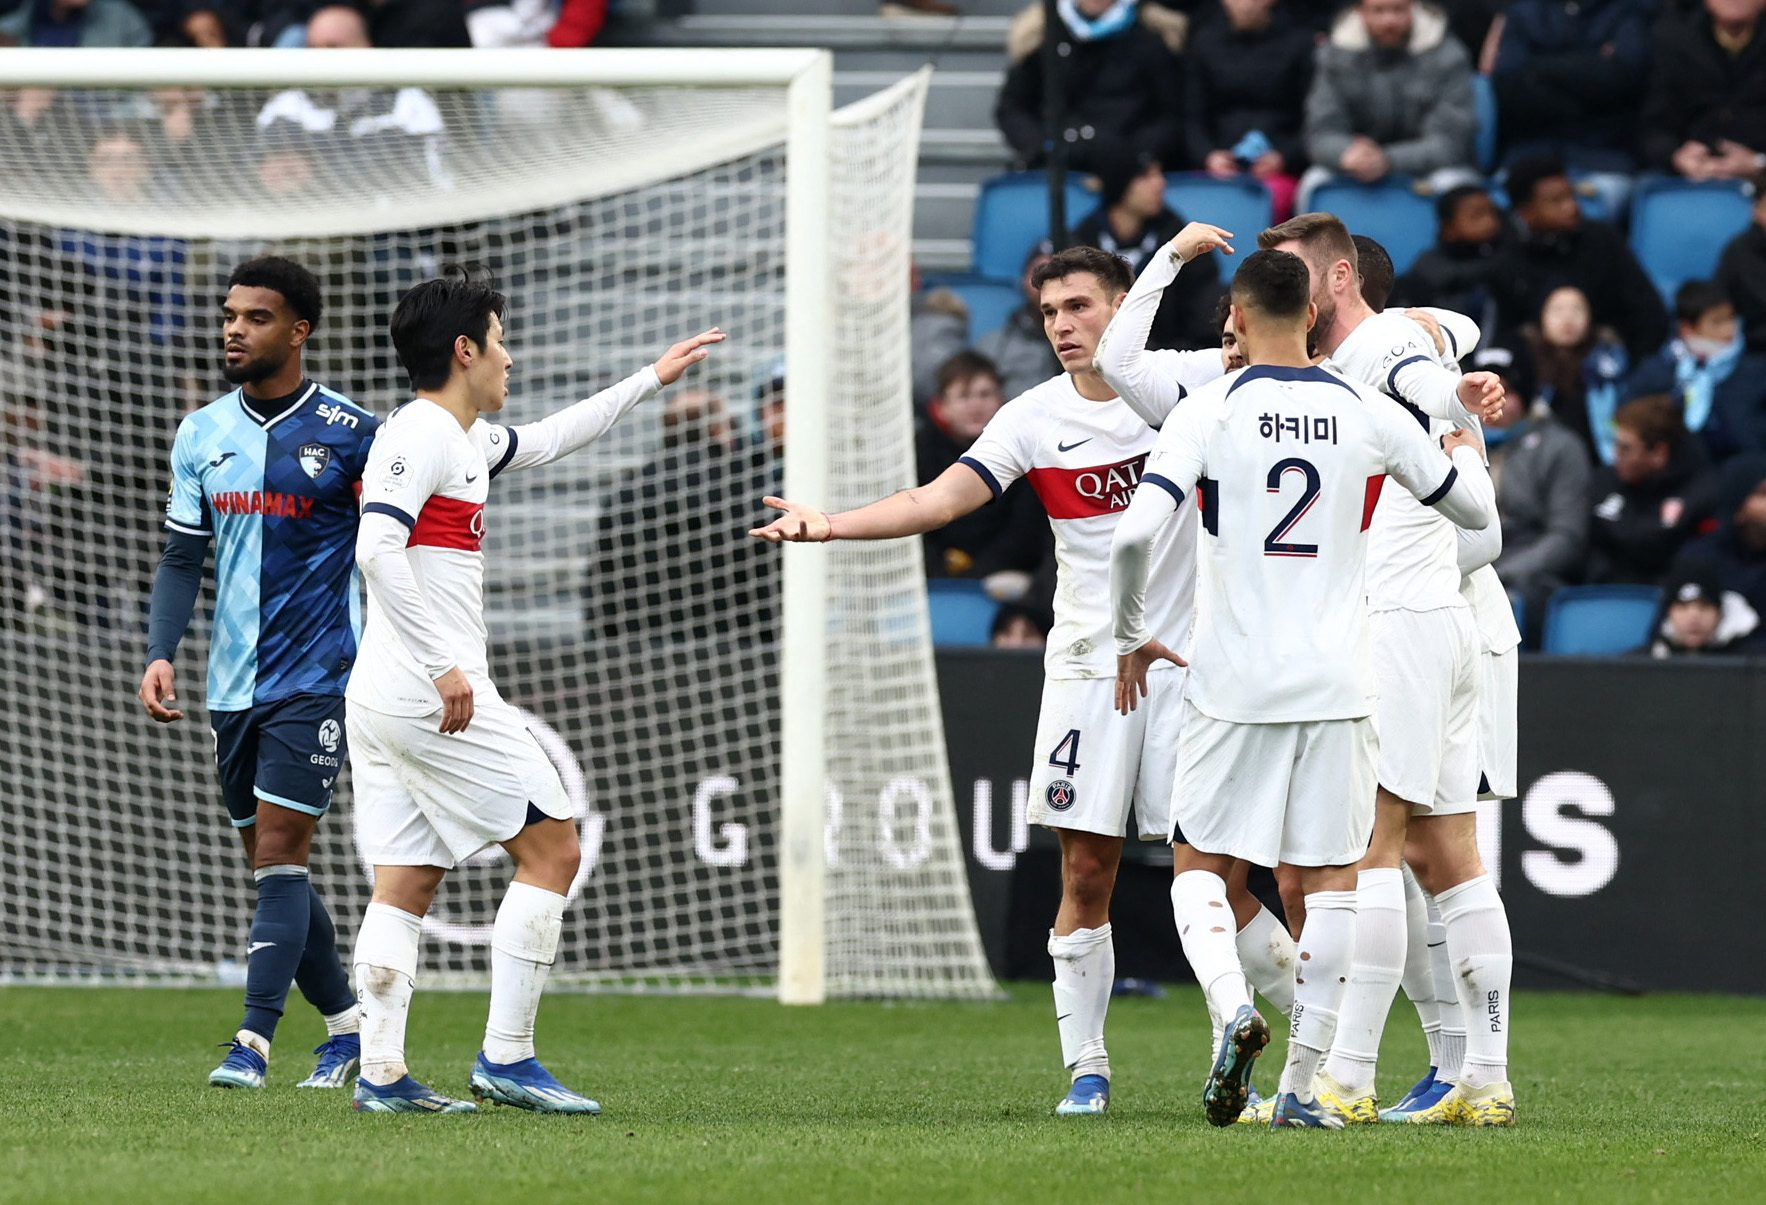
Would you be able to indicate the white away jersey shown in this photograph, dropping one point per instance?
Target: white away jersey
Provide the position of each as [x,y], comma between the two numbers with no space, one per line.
[1412,555]
[1287,465]
[1084,460]
[434,477]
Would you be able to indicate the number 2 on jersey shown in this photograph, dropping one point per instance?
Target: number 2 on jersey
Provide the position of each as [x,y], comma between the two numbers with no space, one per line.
[1276,542]
[1070,746]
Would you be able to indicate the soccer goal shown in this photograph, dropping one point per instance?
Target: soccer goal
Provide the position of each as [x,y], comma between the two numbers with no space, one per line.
[751,734]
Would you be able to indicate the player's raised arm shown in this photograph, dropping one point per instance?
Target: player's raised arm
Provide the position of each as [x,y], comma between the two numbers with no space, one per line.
[954,493]
[1121,356]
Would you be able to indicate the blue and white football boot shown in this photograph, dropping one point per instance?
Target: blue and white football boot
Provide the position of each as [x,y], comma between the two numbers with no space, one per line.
[1423,1094]
[1225,1094]
[405,1095]
[339,1057]
[1291,1111]
[1090,1094]
[242,1068]
[526,1085]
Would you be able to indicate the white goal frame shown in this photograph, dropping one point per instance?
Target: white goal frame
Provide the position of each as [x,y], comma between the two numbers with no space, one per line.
[807,75]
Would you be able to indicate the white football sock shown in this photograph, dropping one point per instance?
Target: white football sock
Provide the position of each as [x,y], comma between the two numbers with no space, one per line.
[524,944]
[1326,949]
[255,1041]
[1085,971]
[1419,964]
[1483,964]
[1209,935]
[1266,951]
[386,974]
[1453,1025]
[347,1021]
[1377,967]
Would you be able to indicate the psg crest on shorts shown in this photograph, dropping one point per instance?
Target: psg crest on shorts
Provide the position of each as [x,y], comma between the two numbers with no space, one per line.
[314,458]
[1060,795]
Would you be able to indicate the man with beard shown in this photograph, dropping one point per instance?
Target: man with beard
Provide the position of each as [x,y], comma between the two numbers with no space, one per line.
[271,471]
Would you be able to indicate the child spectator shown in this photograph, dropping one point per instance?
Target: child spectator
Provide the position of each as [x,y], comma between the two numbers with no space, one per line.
[1580,367]
[1249,71]
[1720,387]
[1455,273]
[1742,271]
[1657,494]
[1699,618]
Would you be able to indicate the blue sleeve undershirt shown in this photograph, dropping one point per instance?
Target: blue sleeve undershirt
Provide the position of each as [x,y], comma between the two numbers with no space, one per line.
[175,588]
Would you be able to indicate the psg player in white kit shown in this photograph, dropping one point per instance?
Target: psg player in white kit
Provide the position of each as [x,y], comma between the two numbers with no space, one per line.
[443,766]
[1095,775]
[1277,757]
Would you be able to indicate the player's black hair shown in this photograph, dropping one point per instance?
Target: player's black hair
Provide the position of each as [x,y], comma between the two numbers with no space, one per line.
[299,287]
[1273,282]
[1377,274]
[1696,298]
[1112,271]
[1525,177]
[433,314]
[1447,204]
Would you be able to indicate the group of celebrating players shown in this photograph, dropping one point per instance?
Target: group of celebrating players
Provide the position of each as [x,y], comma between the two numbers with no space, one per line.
[1277,642]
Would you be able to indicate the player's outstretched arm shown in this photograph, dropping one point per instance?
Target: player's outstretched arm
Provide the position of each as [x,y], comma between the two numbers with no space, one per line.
[1122,350]
[952,494]
[1131,554]
[581,424]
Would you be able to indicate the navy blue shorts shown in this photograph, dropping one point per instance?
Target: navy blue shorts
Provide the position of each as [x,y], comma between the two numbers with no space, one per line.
[288,752]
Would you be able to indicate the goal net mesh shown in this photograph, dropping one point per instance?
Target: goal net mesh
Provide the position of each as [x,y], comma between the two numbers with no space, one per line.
[629,614]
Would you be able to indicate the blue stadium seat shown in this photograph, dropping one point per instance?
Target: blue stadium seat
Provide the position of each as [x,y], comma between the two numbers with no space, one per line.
[1484,104]
[1240,204]
[1678,228]
[1012,216]
[962,613]
[990,302]
[1592,621]
[1392,211]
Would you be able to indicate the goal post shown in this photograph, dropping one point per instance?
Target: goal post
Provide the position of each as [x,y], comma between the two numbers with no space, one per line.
[751,735]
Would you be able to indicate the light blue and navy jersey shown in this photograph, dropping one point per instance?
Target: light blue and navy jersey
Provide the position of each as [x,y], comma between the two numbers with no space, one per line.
[275,485]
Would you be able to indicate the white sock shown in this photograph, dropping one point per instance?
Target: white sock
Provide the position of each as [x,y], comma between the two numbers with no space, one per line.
[1419,964]
[1266,951]
[1209,934]
[1326,949]
[1377,967]
[386,974]
[255,1041]
[524,943]
[1453,1025]
[1085,971]
[1483,964]
[347,1021]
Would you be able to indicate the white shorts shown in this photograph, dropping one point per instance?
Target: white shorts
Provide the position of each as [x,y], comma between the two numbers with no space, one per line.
[1299,793]
[1095,768]
[1426,664]
[1498,688]
[428,799]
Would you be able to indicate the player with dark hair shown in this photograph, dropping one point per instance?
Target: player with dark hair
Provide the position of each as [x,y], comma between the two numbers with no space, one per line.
[269,472]
[444,766]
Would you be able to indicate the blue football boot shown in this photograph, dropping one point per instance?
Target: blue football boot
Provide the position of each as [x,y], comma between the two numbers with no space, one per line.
[1089,1094]
[338,1059]
[526,1085]
[242,1068]
[1290,1110]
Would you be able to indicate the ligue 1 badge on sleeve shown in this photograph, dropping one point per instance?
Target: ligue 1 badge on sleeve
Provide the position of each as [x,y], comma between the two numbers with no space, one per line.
[313,458]
[1060,795]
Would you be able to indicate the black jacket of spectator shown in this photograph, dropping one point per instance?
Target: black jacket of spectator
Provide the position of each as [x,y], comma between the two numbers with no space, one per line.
[1638,529]
[423,24]
[1454,276]
[1735,560]
[1244,81]
[1566,78]
[1123,92]
[1699,92]
[1738,404]
[1011,532]
[1186,313]
[1742,273]
[673,559]
[1594,258]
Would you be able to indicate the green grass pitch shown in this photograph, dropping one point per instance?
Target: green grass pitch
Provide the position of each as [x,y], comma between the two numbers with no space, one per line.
[104,1100]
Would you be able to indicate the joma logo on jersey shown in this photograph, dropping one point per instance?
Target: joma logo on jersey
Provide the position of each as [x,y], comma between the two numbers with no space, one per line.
[263,502]
[1087,493]
[332,413]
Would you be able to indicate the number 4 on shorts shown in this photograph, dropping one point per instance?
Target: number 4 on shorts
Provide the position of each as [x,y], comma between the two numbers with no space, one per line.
[1069,747]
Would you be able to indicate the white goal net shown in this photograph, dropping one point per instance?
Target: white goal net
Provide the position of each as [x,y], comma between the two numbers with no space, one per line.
[646,197]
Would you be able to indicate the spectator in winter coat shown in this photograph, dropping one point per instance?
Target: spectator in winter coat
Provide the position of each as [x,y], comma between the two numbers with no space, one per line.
[1558,246]
[1657,494]
[1566,80]
[1700,619]
[1133,222]
[1721,388]
[1581,368]
[1736,552]
[1391,95]
[1455,273]
[1020,349]
[1742,271]
[1124,83]
[1704,111]
[1248,73]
